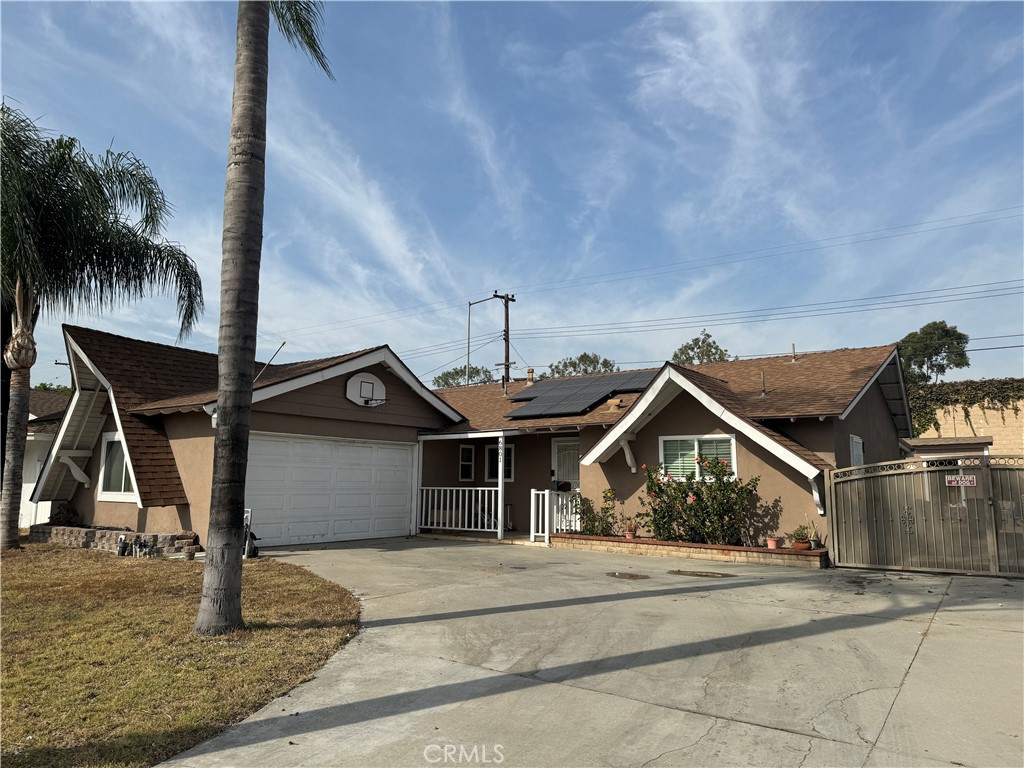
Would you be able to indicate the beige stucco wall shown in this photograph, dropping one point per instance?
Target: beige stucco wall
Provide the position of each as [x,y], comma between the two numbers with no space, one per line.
[1006,428]
[781,488]
[120,514]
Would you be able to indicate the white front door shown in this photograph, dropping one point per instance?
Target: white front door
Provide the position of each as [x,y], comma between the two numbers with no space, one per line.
[565,462]
[312,489]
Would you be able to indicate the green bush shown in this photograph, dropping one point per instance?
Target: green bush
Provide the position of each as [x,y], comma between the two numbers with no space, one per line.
[714,509]
[594,522]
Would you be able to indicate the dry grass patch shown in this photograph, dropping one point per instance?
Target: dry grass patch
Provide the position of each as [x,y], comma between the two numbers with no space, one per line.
[100,665]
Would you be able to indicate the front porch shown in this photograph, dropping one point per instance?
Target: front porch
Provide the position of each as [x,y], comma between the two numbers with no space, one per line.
[480,513]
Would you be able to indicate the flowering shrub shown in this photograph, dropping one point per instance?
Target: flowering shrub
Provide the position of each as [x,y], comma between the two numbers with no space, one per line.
[713,509]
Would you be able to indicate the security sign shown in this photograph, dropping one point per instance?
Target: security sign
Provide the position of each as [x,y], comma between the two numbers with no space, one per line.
[959,481]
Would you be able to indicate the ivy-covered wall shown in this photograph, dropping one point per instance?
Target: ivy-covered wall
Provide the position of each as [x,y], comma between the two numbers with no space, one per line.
[976,407]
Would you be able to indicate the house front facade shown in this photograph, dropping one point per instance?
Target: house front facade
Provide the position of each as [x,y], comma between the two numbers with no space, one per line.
[355,447]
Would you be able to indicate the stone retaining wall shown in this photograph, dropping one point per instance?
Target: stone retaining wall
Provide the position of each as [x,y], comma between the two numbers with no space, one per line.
[792,557]
[91,538]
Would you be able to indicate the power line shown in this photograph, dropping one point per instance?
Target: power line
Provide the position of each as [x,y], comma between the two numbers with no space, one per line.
[651,321]
[766,318]
[441,304]
[793,312]
[457,359]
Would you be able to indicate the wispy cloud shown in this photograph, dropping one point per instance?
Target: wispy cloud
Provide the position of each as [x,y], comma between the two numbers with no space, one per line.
[508,184]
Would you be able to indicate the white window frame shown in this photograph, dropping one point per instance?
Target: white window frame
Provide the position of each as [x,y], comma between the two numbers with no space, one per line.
[662,439]
[510,464]
[102,495]
[471,463]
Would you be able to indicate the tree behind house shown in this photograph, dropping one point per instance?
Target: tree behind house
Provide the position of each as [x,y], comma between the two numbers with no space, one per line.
[300,21]
[588,362]
[932,350]
[701,349]
[456,377]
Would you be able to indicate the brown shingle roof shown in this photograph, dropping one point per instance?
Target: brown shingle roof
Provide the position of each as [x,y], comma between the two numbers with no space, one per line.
[47,409]
[275,374]
[817,384]
[485,407]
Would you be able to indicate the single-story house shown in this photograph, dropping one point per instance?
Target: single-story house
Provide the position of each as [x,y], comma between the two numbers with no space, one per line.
[45,410]
[786,419]
[333,455]
[355,446]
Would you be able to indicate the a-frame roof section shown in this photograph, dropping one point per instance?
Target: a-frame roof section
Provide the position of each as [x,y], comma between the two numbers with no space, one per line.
[279,379]
[714,395]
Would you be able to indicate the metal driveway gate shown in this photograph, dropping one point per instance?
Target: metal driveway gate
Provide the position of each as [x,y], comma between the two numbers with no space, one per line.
[961,513]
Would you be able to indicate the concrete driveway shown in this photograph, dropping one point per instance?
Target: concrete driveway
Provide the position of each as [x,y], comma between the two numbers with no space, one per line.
[519,656]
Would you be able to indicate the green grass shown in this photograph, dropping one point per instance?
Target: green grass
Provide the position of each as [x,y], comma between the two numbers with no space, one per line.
[100,667]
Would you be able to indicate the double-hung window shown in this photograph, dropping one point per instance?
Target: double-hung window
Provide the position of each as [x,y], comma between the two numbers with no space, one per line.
[491,471]
[679,453]
[115,479]
[467,458]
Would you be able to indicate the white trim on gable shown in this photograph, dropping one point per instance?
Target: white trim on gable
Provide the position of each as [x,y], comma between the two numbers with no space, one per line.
[384,356]
[656,397]
[866,387]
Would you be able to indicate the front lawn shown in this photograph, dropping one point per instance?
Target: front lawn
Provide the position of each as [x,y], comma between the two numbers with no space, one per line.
[100,667]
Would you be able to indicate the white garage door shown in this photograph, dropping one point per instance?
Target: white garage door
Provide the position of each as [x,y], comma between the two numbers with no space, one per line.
[309,489]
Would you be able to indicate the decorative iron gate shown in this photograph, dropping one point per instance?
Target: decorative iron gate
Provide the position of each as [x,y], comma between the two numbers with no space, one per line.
[961,514]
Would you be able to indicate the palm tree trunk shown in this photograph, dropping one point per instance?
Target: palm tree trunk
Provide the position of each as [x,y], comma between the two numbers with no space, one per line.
[17,431]
[220,609]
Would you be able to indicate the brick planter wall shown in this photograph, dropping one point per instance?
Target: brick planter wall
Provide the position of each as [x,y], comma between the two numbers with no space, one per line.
[817,558]
[90,538]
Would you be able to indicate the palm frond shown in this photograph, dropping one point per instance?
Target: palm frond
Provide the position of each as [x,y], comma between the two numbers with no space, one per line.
[301,22]
[83,234]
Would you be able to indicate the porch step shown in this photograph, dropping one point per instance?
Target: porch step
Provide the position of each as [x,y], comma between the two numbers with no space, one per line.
[522,541]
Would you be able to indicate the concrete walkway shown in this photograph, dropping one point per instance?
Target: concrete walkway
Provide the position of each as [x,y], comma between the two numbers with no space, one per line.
[515,656]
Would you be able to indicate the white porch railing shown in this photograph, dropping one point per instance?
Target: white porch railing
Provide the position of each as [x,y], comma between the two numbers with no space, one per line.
[459,509]
[552,512]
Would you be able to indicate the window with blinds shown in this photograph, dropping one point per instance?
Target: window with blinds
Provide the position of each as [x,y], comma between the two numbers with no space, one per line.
[679,454]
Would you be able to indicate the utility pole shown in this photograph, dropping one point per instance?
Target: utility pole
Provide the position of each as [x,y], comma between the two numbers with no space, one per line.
[506,299]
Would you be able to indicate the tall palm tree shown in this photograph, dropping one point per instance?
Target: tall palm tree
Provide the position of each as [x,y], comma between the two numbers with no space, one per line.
[300,21]
[79,233]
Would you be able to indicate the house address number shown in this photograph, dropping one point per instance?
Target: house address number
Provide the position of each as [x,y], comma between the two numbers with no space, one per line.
[959,481]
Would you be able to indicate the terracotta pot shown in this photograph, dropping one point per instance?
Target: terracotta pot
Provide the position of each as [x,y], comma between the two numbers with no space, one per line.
[630,534]
[773,543]
[802,544]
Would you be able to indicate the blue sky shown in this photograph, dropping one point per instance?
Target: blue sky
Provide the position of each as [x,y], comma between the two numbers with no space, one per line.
[633,172]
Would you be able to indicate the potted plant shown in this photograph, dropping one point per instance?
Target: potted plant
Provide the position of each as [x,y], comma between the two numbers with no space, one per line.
[776,541]
[801,536]
[632,525]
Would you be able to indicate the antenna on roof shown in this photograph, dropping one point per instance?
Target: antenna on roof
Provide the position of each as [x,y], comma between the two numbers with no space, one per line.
[267,365]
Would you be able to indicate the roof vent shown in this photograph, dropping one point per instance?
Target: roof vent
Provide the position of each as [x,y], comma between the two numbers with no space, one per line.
[793,358]
[529,376]
[764,389]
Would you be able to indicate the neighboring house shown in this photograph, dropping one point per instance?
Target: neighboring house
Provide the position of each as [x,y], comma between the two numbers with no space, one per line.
[785,419]
[334,451]
[938,447]
[45,410]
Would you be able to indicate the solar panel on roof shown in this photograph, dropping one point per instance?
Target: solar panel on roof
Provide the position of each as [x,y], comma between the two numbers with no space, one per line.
[572,396]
